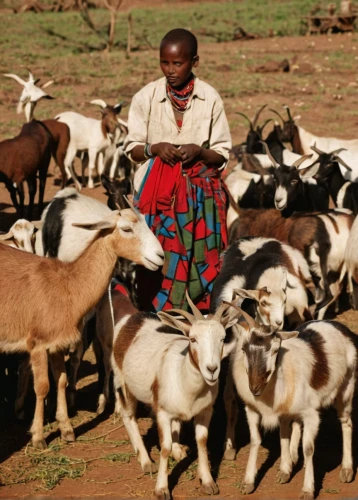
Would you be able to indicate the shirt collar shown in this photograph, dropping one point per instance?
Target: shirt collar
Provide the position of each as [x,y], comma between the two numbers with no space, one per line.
[197,92]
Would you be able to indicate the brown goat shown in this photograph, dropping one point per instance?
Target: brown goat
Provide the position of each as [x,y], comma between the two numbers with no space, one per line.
[20,160]
[61,138]
[44,301]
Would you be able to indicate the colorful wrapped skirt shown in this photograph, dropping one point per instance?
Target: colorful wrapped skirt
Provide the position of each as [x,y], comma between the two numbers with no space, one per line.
[186,210]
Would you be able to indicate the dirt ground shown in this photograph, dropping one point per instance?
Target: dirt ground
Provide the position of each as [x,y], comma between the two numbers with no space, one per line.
[101,463]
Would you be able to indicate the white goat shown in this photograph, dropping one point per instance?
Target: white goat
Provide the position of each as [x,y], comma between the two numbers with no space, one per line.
[22,234]
[176,375]
[91,136]
[285,380]
[51,297]
[31,94]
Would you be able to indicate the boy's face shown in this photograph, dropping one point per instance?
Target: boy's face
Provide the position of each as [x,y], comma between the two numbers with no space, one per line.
[177,63]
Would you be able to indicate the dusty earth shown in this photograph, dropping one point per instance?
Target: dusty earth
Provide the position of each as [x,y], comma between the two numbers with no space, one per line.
[101,463]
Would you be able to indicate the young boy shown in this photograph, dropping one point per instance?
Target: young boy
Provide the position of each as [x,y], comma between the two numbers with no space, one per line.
[178,128]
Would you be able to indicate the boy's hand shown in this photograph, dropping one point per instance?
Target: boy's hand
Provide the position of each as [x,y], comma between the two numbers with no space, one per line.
[190,152]
[167,153]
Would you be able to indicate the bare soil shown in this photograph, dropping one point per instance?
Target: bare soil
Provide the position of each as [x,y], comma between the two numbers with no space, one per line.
[102,461]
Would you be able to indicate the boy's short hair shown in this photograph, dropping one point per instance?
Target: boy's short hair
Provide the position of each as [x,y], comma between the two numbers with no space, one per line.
[179,36]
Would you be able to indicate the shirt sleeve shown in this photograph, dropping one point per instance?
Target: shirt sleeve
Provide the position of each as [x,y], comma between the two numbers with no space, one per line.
[220,137]
[138,117]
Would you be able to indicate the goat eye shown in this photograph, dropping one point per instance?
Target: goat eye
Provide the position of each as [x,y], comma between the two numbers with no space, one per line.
[263,303]
[192,340]
[127,229]
[294,182]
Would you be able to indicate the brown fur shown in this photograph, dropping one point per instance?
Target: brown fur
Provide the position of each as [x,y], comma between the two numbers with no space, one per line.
[155,391]
[61,138]
[127,337]
[285,407]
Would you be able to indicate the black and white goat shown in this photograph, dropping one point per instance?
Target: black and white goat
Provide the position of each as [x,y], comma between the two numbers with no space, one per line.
[326,170]
[285,378]
[177,375]
[273,274]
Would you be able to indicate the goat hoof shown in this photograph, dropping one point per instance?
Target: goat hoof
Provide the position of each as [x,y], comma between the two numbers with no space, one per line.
[306,495]
[346,475]
[39,444]
[247,488]
[230,454]
[101,404]
[162,494]
[209,488]
[283,477]
[68,436]
[178,452]
[149,468]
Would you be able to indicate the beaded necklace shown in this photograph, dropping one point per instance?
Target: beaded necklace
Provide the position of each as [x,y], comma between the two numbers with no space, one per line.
[180,98]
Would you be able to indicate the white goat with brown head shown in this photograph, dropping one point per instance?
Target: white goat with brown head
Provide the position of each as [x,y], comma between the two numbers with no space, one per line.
[285,379]
[177,375]
[44,300]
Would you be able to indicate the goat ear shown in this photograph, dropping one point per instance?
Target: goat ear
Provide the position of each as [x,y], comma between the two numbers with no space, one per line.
[230,318]
[310,171]
[174,322]
[37,223]
[248,294]
[287,335]
[108,223]
[229,347]
[7,236]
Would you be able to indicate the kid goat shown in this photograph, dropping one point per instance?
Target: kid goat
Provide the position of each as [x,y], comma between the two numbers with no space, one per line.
[44,300]
[285,378]
[177,375]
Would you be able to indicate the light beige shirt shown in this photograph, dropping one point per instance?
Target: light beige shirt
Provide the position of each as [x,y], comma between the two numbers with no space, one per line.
[151,119]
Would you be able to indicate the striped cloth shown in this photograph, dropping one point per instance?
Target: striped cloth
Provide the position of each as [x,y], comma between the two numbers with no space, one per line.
[186,210]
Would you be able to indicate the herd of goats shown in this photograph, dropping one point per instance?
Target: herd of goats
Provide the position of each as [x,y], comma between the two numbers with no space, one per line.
[290,258]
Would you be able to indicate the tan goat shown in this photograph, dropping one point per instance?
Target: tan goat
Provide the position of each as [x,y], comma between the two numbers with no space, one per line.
[44,300]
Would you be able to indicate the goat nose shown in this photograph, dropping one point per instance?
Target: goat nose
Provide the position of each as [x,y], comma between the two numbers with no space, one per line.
[212,368]
[278,323]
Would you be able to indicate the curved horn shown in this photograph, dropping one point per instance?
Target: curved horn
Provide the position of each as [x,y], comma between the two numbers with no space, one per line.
[337,151]
[257,114]
[31,76]
[247,118]
[220,311]
[15,77]
[130,204]
[278,114]
[186,314]
[264,125]
[316,150]
[343,163]
[99,102]
[268,152]
[250,321]
[298,162]
[289,114]
[198,315]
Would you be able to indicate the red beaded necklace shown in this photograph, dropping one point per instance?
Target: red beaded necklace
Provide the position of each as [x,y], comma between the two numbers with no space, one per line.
[180,98]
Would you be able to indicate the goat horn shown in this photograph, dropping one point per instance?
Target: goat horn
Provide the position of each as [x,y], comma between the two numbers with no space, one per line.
[220,311]
[198,315]
[130,204]
[15,77]
[289,114]
[337,151]
[264,125]
[268,152]
[343,163]
[278,114]
[47,84]
[298,162]
[250,321]
[257,114]
[31,76]
[186,314]
[99,102]
[247,118]
[316,150]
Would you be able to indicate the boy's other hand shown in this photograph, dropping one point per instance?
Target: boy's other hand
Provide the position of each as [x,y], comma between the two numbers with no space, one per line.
[167,153]
[190,152]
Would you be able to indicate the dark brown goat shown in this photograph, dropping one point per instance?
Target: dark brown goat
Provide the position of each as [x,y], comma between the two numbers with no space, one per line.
[20,160]
[61,138]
